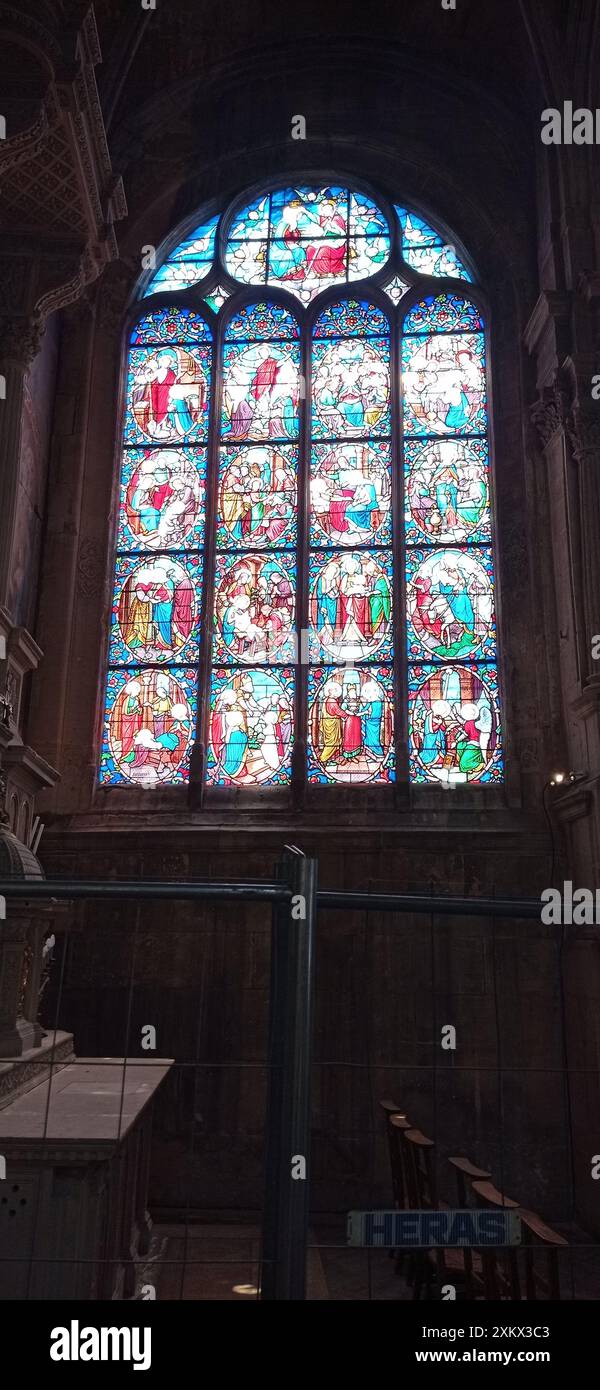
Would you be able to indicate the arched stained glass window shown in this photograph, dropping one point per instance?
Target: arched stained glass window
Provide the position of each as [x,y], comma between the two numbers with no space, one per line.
[304,578]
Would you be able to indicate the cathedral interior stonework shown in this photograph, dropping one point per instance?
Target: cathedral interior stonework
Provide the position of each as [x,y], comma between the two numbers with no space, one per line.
[299,547]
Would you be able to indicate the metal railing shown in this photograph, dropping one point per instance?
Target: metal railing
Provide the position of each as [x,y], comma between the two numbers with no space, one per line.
[294,899]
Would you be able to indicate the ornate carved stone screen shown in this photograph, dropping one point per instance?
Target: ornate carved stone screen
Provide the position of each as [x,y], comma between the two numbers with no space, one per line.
[304,578]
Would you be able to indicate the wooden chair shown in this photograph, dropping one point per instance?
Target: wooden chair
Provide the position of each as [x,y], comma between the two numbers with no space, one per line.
[421,1195]
[499,1264]
[390,1107]
[420,1168]
[465,1173]
[398,1126]
[443,1265]
[539,1257]
[395,1123]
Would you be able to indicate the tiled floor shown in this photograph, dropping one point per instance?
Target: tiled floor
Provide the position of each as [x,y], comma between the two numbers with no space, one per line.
[218,1262]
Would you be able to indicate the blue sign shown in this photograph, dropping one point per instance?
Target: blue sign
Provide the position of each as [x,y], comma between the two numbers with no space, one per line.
[405,1230]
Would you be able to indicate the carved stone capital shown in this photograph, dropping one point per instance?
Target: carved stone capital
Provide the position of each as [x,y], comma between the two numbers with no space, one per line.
[17,270]
[113,291]
[588,285]
[583,425]
[54,283]
[20,338]
[549,412]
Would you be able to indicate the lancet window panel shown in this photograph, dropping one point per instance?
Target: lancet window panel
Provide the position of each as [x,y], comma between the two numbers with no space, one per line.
[254,609]
[351,581]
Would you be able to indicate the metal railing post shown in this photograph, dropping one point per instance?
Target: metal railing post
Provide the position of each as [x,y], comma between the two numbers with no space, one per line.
[286,1207]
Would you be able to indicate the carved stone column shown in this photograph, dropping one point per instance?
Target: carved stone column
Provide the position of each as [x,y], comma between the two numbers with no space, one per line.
[584,434]
[583,424]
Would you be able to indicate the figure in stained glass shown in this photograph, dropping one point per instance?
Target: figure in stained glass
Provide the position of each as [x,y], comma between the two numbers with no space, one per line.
[450,602]
[350,725]
[350,493]
[444,384]
[168,393]
[350,388]
[453,723]
[297,251]
[254,608]
[163,498]
[260,392]
[155,610]
[251,727]
[256,497]
[447,490]
[350,606]
[149,727]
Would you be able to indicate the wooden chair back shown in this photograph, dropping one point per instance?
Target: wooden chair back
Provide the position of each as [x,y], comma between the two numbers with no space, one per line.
[466,1173]
[500,1264]
[395,1122]
[397,1127]
[540,1259]
[420,1169]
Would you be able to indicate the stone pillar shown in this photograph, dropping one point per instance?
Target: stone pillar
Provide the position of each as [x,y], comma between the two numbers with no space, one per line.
[20,337]
[584,433]
[583,425]
[58,590]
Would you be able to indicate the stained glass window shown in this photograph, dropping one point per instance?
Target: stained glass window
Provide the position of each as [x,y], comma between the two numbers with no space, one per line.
[155,620]
[305,239]
[304,542]
[426,250]
[454,724]
[350,566]
[254,611]
[188,263]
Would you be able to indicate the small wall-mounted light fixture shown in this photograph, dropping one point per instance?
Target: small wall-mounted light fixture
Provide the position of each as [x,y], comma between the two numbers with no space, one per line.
[558,778]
